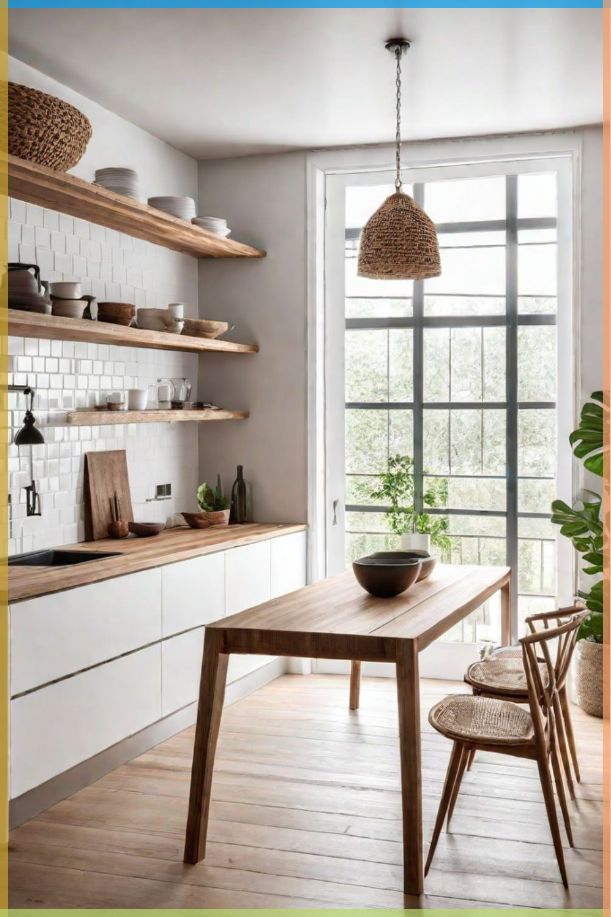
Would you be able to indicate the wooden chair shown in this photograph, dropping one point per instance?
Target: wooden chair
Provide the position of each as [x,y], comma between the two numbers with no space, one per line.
[474,722]
[502,675]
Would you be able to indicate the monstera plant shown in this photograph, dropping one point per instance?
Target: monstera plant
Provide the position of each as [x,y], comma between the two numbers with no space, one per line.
[582,524]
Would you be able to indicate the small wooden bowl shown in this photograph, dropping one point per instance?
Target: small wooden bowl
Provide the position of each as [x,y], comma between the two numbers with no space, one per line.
[196,520]
[119,529]
[116,313]
[146,529]
[203,328]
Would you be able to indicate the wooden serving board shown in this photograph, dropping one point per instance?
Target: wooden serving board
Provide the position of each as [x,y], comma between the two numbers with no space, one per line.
[105,476]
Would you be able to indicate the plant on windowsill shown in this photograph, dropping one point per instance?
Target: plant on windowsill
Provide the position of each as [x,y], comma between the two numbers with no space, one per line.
[214,503]
[582,524]
[417,530]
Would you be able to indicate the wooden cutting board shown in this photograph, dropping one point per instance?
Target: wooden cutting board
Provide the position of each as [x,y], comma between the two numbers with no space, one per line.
[105,476]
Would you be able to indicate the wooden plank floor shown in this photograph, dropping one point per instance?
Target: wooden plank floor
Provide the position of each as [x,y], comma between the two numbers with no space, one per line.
[305,813]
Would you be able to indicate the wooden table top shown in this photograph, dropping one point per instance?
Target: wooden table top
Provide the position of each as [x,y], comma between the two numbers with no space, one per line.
[170,546]
[339,607]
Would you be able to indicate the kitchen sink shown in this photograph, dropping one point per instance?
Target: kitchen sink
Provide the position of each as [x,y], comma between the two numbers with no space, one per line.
[57,558]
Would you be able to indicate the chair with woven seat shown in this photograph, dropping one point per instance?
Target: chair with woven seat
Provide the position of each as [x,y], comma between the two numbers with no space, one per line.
[492,724]
[502,675]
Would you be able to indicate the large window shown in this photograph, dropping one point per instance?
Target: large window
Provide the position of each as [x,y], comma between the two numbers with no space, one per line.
[460,373]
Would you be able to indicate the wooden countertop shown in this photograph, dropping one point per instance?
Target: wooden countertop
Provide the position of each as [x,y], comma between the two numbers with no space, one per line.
[170,546]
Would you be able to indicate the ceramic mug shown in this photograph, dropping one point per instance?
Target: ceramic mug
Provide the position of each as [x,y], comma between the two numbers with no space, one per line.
[176,310]
[137,399]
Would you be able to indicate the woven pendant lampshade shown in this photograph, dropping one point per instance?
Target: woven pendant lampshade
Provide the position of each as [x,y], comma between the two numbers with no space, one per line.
[399,241]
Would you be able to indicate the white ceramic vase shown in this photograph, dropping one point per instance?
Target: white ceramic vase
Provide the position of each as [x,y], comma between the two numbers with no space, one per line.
[415,541]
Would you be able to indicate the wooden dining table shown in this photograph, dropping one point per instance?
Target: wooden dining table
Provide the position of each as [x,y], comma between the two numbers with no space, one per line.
[336,619]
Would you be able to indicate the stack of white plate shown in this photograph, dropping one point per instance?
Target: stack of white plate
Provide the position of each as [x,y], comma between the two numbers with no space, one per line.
[121,181]
[181,207]
[213,224]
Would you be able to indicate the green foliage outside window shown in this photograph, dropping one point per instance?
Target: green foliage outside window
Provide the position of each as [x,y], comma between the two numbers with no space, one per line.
[396,487]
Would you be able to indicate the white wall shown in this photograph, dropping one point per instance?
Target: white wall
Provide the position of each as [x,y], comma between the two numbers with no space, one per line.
[117,142]
[263,198]
[591,276]
[111,266]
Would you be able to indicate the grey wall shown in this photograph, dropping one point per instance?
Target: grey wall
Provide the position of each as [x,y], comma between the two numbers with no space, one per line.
[264,200]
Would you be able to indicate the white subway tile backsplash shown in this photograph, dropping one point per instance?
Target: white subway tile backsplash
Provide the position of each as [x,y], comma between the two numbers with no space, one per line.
[68,374]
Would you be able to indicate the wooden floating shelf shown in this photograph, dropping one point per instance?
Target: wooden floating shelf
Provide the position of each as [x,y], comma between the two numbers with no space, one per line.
[87,418]
[36,184]
[35,325]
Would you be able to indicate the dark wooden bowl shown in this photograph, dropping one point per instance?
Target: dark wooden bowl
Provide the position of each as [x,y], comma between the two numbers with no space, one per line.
[116,313]
[196,520]
[388,575]
[428,562]
[146,529]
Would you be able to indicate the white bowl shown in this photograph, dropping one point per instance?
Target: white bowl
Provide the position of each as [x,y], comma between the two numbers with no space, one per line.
[66,289]
[154,319]
[181,207]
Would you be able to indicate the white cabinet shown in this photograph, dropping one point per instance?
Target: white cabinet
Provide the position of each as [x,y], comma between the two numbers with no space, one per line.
[181,663]
[193,592]
[247,576]
[65,723]
[59,634]
[288,563]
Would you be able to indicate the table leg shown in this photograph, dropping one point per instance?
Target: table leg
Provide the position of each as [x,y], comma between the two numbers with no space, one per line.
[408,694]
[355,684]
[210,707]
[506,613]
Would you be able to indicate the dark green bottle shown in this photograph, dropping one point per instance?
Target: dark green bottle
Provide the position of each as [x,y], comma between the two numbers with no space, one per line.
[239,499]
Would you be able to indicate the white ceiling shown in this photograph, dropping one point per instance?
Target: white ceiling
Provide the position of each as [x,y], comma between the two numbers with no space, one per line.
[226,82]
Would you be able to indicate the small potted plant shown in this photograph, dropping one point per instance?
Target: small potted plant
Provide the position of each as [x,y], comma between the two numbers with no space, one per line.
[214,503]
[417,530]
[583,525]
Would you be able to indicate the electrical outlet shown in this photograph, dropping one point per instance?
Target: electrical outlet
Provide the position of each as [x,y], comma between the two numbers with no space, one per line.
[162,492]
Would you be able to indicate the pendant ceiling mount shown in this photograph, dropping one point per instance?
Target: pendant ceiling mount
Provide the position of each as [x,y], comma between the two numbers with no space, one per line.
[399,241]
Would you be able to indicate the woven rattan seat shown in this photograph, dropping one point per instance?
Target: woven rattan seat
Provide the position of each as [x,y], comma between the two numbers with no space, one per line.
[502,673]
[484,719]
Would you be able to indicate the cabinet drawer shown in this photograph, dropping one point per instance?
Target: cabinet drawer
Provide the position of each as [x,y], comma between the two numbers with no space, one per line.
[63,724]
[193,592]
[56,635]
[288,563]
[181,664]
[247,576]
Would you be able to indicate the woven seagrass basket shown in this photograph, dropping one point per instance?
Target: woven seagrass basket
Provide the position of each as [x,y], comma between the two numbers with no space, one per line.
[44,129]
[588,676]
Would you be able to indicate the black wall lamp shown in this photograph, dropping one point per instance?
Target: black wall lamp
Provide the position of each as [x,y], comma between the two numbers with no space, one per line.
[29,435]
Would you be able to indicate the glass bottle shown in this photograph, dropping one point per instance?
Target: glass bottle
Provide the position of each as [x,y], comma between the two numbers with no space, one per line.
[240,502]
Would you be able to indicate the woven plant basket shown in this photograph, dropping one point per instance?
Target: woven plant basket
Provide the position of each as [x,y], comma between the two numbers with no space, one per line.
[588,676]
[399,242]
[44,129]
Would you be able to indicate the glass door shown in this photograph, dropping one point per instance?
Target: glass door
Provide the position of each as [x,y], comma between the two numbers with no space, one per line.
[458,375]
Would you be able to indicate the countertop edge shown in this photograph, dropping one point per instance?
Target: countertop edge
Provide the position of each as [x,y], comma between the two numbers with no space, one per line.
[51,580]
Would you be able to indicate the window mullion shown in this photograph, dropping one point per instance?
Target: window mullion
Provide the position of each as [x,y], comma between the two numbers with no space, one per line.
[418,378]
[511,292]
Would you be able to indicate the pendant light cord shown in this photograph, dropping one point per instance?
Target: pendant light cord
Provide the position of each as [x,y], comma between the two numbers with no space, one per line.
[398,183]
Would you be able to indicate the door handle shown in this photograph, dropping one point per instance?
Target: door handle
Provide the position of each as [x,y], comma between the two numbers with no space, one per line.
[335,505]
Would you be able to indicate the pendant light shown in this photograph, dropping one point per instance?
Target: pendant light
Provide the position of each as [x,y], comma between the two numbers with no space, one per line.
[399,241]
